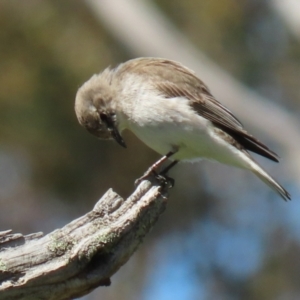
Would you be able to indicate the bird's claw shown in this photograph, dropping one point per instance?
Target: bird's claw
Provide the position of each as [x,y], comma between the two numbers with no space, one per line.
[163,179]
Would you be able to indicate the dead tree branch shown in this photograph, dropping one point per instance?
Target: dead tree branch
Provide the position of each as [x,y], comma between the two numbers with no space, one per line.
[72,261]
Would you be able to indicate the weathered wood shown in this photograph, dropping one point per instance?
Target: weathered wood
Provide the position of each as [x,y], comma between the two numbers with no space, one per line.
[72,261]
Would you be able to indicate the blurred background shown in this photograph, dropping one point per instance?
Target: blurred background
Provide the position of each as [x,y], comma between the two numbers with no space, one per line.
[224,234]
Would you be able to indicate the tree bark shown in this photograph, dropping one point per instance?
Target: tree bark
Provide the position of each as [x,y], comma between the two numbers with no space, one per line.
[72,261]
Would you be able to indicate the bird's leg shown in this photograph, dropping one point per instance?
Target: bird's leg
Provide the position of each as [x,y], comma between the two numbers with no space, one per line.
[169,167]
[163,174]
[153,168]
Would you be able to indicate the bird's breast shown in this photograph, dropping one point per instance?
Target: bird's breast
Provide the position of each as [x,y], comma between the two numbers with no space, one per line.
[189,140]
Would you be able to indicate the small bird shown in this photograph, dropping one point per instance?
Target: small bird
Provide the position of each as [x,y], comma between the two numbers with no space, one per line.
[173,112]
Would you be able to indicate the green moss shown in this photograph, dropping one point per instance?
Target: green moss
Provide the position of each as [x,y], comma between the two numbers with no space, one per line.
[60,245]
[2,266]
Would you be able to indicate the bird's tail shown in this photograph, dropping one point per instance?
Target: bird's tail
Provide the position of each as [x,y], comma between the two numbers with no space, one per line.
[266,178]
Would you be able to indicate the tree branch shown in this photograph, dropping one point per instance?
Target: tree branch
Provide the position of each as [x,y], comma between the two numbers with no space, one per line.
[72,261]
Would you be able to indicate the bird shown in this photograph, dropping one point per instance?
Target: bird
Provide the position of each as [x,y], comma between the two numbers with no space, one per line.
[173,112]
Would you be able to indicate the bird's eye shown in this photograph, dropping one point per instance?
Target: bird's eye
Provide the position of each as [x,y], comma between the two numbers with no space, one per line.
[108,120]
[103,117]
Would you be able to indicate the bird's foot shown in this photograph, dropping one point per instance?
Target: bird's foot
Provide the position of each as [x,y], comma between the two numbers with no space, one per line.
[163,179]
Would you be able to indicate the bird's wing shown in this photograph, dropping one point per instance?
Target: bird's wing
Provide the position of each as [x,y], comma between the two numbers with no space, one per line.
[174,80]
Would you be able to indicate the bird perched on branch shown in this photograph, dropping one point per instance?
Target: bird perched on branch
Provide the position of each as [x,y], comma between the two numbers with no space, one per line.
[173,112]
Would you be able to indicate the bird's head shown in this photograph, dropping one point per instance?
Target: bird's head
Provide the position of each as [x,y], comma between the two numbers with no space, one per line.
[94,107]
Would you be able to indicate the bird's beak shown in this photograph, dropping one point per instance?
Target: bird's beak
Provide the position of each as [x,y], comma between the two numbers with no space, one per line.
[112,128]
[117,137]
